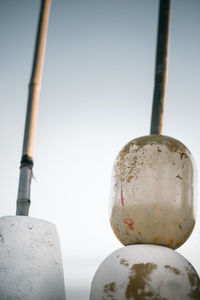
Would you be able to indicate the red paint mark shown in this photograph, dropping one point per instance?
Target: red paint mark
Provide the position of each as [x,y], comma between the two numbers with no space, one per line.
[129,222]
[122,197]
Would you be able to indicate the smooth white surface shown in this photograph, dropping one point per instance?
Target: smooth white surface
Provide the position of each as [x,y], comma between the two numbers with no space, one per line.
[145,272]
[30,260]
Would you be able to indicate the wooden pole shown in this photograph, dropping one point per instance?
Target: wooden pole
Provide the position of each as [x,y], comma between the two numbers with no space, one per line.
[161,68]
[23,199]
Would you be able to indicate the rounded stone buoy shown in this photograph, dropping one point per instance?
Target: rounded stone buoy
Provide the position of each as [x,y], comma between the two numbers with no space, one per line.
[145,272]
[153,197]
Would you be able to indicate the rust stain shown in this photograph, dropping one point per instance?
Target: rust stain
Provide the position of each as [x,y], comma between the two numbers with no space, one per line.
[155,239]
[139,286]
[122,154]
[122,197]
[127,165]
[121,162]
[170,241]
[173,269]
[130,177]
[129,222]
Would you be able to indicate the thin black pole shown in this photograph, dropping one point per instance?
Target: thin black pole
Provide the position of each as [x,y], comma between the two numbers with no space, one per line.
[161,68]
[23,198]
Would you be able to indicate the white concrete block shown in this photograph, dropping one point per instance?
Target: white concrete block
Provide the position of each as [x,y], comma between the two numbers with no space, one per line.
[30,260]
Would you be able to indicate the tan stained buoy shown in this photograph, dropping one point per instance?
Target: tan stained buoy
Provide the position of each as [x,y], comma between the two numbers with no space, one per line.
[153,198]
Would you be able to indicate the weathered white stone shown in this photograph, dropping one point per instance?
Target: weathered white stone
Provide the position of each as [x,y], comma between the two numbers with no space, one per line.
[30,260]
[145,272]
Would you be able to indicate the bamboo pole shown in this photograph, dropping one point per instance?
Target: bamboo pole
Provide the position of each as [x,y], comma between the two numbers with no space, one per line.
[161,68]
[23,198]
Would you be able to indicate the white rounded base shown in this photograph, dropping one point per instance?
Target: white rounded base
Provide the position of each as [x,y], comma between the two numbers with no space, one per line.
[30,260]
[145,272]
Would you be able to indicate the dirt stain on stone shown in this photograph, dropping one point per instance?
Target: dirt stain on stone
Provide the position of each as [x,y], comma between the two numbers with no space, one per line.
[139,286]
[124,262]
[195,284]
[173,269]
[109,291]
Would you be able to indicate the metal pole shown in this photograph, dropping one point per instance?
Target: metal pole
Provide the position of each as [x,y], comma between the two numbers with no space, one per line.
[161,68]
[23,199]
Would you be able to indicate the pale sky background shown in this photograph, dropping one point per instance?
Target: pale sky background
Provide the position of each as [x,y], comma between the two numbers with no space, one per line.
[96,96]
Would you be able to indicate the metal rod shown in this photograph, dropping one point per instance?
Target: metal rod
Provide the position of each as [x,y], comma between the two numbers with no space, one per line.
[23,199]
[161,68]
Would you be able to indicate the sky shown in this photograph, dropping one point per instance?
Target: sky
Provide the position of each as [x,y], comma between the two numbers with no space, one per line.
[96,96]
